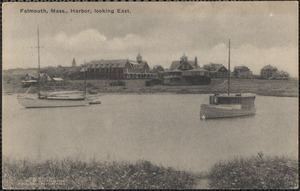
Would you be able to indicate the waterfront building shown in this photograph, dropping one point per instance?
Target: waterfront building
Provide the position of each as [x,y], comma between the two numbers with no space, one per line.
[117,69]
[186,72]
[45,78]
[28,80]
[184,64]
[28,77]
[216,70]
[242,72]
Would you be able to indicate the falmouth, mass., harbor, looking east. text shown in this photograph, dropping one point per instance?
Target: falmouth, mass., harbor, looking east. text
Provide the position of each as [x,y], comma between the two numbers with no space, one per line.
[84,11]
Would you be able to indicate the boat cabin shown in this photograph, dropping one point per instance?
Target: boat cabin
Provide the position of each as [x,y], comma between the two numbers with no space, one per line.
[246,101]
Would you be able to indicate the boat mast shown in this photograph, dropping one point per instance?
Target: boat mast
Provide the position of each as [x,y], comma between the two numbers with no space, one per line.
[38,61]
[85,75]
[228,67]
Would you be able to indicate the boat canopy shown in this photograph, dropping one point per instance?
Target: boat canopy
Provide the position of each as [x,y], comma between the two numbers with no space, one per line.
[230,99]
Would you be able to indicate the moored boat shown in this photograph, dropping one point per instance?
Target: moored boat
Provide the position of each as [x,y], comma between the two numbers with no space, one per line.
[29,102]
[224,105]
[228,105]
[52,99]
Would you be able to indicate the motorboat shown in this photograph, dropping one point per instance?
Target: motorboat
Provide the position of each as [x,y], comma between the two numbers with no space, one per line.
[228,105]
[224,105]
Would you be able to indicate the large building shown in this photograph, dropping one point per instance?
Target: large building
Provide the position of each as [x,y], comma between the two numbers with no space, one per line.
[117,69]
[216,70]
[186,72]
[184,64]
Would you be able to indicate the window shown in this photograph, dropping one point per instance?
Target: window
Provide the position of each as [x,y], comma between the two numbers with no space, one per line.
[215,100]
[230,100]
[211,100]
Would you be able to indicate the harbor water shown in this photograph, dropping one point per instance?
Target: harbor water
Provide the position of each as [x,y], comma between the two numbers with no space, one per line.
[164,129]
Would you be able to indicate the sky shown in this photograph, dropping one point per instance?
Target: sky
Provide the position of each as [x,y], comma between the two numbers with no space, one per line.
[261,33]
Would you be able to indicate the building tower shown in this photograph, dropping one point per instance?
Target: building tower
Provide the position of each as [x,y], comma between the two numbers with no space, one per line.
[73,62]
[139,58]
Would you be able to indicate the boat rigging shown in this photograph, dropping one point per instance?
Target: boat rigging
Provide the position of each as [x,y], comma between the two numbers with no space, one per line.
[52,99]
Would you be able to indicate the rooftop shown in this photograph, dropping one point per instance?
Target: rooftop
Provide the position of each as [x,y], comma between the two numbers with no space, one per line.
[232,95]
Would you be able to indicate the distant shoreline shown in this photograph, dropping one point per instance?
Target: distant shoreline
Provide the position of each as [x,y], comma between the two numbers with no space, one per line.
[278,88]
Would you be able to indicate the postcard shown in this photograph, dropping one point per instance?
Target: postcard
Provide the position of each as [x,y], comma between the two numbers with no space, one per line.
[150,95]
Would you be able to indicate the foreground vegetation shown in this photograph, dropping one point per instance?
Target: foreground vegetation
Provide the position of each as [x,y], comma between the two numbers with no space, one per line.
[257,172]
[69,174]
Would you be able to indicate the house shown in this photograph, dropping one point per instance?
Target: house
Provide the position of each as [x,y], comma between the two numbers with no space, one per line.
[186,72]
[268,71]
[31,78]
[184,64]
[198,76]
[280,75]
[242,72]
[117,69]
[26,74]
[44,78]
[28,77]
[216,70]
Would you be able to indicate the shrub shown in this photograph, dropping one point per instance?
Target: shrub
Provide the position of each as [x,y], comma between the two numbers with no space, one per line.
[153,82]
[89,85]
[117,83]
[255,173]
[149,83]
[93,175]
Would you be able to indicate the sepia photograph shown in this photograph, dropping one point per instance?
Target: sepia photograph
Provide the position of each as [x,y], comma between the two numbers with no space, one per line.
[150,95]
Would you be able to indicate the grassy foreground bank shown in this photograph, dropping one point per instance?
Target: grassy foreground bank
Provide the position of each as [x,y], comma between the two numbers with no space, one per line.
[255,172]
[69,174]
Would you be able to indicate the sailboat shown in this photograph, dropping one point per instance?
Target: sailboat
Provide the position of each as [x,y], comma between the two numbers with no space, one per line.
[228,105]
[52,99]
